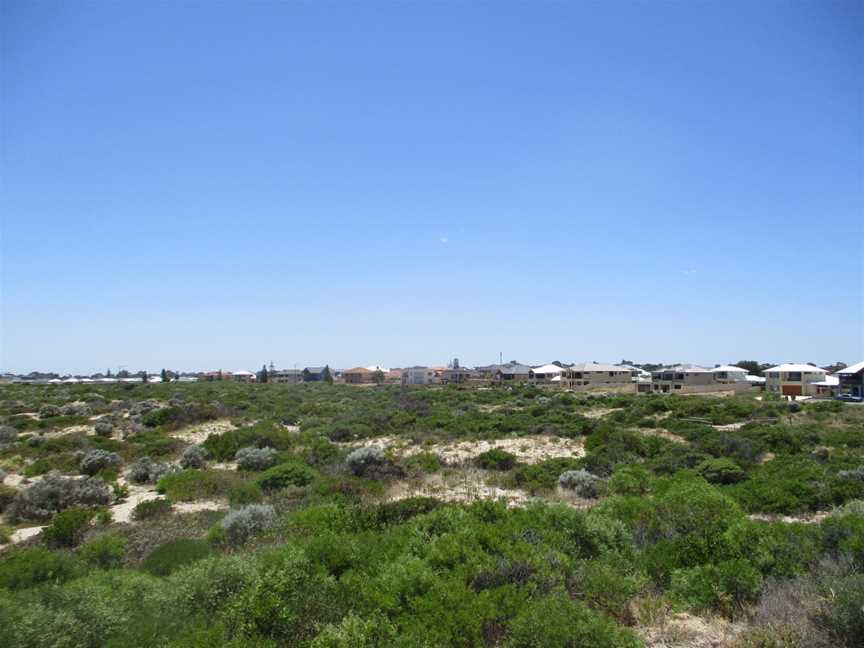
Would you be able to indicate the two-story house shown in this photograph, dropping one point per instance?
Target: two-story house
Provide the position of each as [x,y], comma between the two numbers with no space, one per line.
[793,379]
[852,380]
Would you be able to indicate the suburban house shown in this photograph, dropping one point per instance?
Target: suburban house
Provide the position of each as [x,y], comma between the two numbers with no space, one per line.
[456,375]
[729,374]
[313,374]
[584,375]
[828,387]
[793,379]
[419,376]
[685,378]
[514,372]
[217,375]
[286,376]
[548,373]
[358,376]
[852,380]
[393,376]
[243,376]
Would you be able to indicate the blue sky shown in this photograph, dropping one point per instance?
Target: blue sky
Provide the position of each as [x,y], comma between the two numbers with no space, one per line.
[218,185]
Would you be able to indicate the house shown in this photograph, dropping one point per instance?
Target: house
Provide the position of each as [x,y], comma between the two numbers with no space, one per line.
[583,375]
[419,376]
[826,388]
[313,374]
[358,376]
[548,373]
[684,378]
[456,375]
[725,374]
[243,376]
[217,375]
[852,380]
[793,379]
[514,372]
[285,376]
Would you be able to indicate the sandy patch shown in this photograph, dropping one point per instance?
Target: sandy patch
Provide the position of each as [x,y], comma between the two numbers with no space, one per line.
[462,487]
[688,631]
[195,507]
[600,412]
[224,465]
[122,512]
[199,433]
[731,427]
[89,430]
[807,518]
[20,535]
[531,449]
[663,434]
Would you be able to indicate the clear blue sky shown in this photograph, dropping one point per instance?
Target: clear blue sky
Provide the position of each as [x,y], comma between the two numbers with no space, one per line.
[218,185]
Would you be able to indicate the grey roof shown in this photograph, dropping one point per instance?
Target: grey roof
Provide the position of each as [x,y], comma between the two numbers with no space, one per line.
[684,368]
[596,366]
[314,369]
[511,368]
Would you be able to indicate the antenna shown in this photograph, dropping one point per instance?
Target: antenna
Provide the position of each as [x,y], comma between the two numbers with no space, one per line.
[500,357]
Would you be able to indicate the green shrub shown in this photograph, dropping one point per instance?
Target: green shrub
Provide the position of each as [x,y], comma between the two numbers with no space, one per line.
[583,483]
[284,475]
[725,587]
[631,480]
[495,459]
[256,458]
[424,462]
[721,471]
[190,485]
[223,447]
[843,617]
[68,527]
[105,552]
[150,509]
[559,622]
[173,555]
[244,493]
[7,496]
[544,474]
[24,568]
[354,632]
[240,525]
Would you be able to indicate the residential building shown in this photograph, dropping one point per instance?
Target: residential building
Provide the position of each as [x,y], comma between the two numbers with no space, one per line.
[456,375]
[684,378]
[548,373]
[729,374]
[826,388]
[313,374]
[793,379]
[586,375]
[285,376]
[243,376]
[358,376]
[514,372]
[217,375]
[419,376]
[852,380]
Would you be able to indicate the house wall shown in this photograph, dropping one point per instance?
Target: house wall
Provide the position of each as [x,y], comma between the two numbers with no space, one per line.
[588,379]
[775,382]
[419,376]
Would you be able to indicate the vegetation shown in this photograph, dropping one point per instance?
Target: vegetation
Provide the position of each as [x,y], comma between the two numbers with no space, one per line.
[320,539]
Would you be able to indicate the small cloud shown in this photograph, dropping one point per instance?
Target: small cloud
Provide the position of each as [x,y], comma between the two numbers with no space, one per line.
[444,239]
[691,271]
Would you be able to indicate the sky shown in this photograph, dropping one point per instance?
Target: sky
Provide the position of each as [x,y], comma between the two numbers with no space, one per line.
[205,185]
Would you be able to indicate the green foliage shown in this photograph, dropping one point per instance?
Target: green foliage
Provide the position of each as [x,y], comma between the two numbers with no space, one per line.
[284,475]
[423,462]
[191,485]
[631,480]
[223,447]
[354,632]
[7,495]
[105,552]
[173,555]
[24,568]
[721,471]
[495,459]
[151,509]
[724,587]
[68,527]
[544,475]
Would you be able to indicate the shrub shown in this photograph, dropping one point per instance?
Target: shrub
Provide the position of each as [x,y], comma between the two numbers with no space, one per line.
[264,434]
[98,460]
[55,493]
[843,618]
[544,474]
[581,481]
[239,525]
[103,428]
[725,587]
[7,496]
[856,474]
[194,456]
[68,527]
[190,485]
[284,475]
[371,462]
[631,480]
[8,434]
[47,411]
[721,471]
[24,568]
[150,509]
[147,471]
[244,493]
[495,459]
[559,622]
[169,557]
[354,632]
[256,458]
[424,462]
[105,552]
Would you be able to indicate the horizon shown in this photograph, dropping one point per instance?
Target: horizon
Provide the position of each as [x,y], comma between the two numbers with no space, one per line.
[196,185]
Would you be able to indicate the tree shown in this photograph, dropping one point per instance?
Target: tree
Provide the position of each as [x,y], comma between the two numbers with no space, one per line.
[144,376]
[750,366]
[164,376]
[326,376]
[378,377]
[263,376]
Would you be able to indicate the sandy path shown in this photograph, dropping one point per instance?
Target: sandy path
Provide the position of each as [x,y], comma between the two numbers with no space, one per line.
[199,433]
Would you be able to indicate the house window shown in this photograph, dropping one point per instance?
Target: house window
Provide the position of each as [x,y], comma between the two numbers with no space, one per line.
[677,386]
[793,376]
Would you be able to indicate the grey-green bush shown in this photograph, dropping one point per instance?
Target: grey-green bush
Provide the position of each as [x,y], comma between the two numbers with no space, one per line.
[147,471]
[104,428]
[256,458]
[194,456]
[55,493]
[8,434]
[580,481]
[97,460]
[239,525]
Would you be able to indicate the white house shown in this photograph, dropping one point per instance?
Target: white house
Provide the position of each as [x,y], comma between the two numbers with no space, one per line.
[548,373]
[729,374]
[419,376]
[793,379]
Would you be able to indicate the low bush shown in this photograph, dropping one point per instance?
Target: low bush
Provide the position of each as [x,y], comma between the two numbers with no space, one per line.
[104,428]
[24,568]
[190,485]
[223,447]
[371,463]
[48,411]
[97,460]
[256,458]
[8,435]
[284,475]
[544,474]
[721,471]
[173,555]
[725,587]
[244,493]
[150,509]
[495,459]
[424,462]
[631,480]
[55,493]
[105,552]
[68,527]
[147,471]
[239,525]
[7,496]
[195,456]
[580,481]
